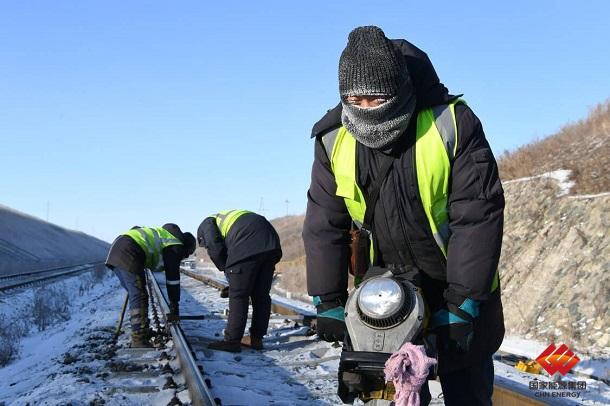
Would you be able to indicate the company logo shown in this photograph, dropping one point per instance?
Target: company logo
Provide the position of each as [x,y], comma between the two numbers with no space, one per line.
[557,359]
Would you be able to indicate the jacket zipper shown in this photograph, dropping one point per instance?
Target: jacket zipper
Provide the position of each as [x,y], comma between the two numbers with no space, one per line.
[402,226]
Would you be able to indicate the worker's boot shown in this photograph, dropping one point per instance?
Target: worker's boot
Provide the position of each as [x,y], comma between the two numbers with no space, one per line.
[139,340]
[140,330]
[226,345]
[252,342]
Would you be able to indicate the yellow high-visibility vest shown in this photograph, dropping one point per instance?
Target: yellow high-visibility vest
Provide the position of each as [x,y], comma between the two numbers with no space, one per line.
[435,148]
[152,240]
[226,219]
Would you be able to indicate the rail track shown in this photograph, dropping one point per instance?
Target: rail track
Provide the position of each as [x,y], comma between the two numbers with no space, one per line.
[193,373]
[295,369]
[15,281]
[309,366]
[294,365]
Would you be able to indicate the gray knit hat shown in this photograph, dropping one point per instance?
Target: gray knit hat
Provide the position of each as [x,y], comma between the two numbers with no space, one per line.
[370,65]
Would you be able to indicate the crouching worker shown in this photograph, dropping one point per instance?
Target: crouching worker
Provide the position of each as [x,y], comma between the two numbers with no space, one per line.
[155,248]
[246,247]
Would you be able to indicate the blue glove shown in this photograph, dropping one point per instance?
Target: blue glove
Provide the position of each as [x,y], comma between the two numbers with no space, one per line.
[330,325]
[454,325]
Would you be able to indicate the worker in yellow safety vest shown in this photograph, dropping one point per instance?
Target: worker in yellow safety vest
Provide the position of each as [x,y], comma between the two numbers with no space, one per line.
[245,246]
[157,249]
[404,180]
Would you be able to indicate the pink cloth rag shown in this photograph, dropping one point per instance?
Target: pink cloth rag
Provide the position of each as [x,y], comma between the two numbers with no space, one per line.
[408,369]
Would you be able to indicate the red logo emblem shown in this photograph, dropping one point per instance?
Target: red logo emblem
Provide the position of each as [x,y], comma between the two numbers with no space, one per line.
[555,359]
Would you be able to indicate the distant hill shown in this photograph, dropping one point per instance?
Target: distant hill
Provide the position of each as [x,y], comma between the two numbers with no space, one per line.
[291,270]
[582,147]
[289,229]
[28,243]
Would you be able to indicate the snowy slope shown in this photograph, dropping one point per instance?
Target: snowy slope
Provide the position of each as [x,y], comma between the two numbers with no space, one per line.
[28,243]
[554,264]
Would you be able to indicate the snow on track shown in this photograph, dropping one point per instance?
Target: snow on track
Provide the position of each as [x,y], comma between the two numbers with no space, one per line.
[76,361]
[295,369]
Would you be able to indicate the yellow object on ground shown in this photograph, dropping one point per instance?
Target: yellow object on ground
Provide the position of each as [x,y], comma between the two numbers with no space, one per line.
[531,367]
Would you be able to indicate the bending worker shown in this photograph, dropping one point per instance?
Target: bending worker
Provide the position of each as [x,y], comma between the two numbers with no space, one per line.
[155,248]
[246,247]
[410,162]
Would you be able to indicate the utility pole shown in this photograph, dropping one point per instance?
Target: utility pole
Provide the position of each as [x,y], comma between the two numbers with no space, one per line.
[48,209]
[261,206]
[287,203]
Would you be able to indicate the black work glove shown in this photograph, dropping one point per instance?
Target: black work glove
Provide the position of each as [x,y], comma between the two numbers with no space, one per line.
[330,324]
[454,324]
[224,293]
[174,312]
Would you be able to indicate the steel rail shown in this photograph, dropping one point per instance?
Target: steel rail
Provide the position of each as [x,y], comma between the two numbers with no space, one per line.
[45,270]
[198,389]
[277,306]
[47,278]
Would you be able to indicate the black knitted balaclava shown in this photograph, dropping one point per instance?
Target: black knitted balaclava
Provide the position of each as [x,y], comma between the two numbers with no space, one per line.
[371,66]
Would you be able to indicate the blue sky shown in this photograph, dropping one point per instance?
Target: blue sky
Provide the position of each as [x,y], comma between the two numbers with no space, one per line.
[121,113]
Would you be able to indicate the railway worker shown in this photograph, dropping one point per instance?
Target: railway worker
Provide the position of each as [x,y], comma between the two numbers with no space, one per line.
[438,210]
[245,246]
[155,248]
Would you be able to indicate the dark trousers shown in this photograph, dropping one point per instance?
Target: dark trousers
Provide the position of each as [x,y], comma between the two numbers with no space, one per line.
[249,280]
[472,386]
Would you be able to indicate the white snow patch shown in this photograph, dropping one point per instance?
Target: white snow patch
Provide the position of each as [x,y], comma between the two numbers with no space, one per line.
[589,196]
[522,347]
[562,176]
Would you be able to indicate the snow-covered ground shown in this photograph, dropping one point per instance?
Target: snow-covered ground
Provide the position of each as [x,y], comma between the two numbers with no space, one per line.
[295,368]
[75,361]
[597,393]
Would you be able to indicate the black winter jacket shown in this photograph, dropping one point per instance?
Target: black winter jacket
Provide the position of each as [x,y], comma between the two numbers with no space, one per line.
[126,254]
[250,235]
[401,231]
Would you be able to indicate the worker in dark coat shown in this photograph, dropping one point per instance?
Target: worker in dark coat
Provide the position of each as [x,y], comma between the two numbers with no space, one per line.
[448,231]
[154,248]
[246,247]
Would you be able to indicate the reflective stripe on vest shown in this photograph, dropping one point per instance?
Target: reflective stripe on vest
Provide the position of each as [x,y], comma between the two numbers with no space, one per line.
[435,148]
[153,240]
[436,142]
[226,219]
